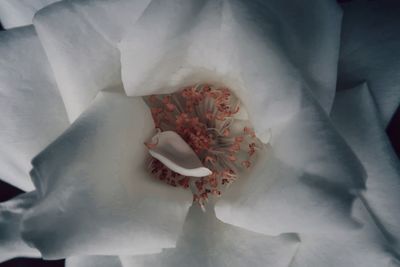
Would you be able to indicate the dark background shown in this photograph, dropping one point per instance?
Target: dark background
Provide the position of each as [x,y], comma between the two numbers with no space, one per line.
[7,192]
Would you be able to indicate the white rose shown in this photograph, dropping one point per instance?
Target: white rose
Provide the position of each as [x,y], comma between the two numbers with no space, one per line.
[324,193]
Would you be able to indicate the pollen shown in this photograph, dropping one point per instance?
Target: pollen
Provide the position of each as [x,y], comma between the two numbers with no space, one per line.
[205,117]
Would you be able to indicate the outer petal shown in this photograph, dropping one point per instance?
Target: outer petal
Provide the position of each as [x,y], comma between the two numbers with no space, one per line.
[32,113]
[11,212]
[362,247]
[370,51]
[96,194]
[79,38]
[305,182]
[16,13]
[356,117]
[260,49]
[340,251]
[207,242]
[102,15]
[83,61]
[93,261]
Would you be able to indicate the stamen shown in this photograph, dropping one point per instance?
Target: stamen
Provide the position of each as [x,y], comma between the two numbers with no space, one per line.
[203,116]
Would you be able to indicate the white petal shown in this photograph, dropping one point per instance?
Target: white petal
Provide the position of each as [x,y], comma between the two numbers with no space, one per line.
[258,48]
[339,251]
[11,212]
[93,261]
[177,155]
[207,242]
[32,113]
[17,13]
[96,193]
[82,59]
[362,247]
[356,117]
[370,51]
[304,182]
[111,18]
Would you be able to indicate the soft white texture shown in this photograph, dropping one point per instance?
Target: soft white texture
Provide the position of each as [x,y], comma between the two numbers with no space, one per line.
[304,182]
[93,261]
[83,62]
[102,15]
[364,246]
[17,13]
[80,39]
[11,213]
[370,52]
[32,113]
[357,118]
[96,195]
[207,242]
[261,49]
[280,57]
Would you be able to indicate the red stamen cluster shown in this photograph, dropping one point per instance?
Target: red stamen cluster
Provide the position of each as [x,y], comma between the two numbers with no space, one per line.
[203,116]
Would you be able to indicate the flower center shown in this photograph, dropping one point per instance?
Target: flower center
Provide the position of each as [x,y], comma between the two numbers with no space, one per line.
[209,119]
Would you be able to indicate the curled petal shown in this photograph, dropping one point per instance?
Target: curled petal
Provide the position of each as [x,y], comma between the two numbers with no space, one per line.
[96,195]
[177,155]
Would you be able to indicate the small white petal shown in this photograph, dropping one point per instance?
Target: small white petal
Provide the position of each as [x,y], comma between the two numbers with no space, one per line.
[32,113]
[356,117]
[96,193]
[370,52]
[93,261]
[207,242]
[177,155]
[17,13]
[11,212]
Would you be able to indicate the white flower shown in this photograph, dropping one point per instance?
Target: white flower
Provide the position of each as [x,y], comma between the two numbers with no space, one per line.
[324,193]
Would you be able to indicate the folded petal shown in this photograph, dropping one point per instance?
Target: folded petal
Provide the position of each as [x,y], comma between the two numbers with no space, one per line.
[32,113]
[370,51]
[207,242]
[260,49]
[96,195]
[83,61]
[93,261]
[17,13]
[304,182]
[357,119]
[11,212]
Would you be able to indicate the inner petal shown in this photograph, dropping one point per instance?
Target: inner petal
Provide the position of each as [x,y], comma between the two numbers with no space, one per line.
[169,148]
[209,120]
